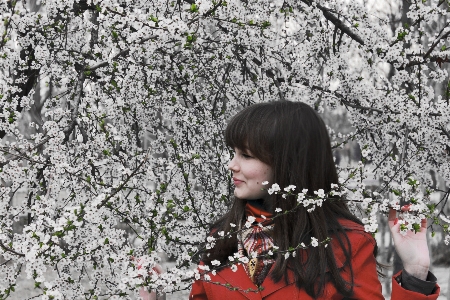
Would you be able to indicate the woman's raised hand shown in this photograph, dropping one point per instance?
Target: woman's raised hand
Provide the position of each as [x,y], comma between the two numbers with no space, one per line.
[412,248]
[146,295]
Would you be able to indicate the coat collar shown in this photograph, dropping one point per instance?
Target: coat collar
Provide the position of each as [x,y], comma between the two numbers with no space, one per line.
[271,287]
[240,279]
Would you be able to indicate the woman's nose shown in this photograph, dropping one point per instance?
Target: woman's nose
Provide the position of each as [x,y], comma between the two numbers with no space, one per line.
[232,165]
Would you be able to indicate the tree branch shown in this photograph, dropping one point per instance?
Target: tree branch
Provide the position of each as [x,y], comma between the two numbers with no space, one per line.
[445,132]
[435,44]
[339,24]
[104,201]
[10,250]
[123,52]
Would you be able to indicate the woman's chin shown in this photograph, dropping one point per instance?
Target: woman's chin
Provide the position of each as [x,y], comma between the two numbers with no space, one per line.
[239,195]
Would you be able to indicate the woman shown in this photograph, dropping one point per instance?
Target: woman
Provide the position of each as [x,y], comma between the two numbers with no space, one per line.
[287,143]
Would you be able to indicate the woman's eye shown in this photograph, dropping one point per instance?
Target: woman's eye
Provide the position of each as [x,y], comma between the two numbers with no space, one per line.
[246,155]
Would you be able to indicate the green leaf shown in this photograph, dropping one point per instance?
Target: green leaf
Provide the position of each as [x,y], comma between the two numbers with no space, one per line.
[173,143]
[193,8]
[11,117]
[401,35]
[397,193]
[265,24]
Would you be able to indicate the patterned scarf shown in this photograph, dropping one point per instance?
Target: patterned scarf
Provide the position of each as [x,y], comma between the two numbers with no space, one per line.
[256,241]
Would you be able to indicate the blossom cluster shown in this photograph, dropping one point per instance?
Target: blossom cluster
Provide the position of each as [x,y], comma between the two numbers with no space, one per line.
[302,197]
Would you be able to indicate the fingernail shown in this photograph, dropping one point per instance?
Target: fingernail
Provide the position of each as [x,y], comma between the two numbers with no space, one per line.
[395,221]
[406,207]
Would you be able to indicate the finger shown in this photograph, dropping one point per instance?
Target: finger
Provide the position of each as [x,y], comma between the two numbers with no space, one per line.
[405,207]
[394,225]
[158,269]
[423,223]
[145,295]
[392,217]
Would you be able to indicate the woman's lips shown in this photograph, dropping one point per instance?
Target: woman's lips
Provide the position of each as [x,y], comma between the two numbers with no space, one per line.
[237,181]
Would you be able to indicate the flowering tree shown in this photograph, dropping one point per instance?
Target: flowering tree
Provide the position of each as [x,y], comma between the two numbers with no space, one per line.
[113,113]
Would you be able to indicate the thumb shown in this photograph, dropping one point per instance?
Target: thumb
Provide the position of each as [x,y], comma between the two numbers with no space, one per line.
[392,219]
[145,295]
[158,269]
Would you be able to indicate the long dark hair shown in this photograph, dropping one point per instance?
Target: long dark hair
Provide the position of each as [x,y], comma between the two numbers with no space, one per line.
[292,139]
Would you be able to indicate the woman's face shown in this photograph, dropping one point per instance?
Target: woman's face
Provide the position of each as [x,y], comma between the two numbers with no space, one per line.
[248,175]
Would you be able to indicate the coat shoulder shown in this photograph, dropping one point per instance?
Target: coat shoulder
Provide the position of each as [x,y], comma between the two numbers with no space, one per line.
[350,225]
[354,230]
[357,237]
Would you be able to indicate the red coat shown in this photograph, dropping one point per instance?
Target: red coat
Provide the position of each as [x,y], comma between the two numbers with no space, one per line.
[366,283]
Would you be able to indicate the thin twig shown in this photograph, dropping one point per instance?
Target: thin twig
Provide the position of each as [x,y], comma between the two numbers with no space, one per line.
[10,250]
[104,201]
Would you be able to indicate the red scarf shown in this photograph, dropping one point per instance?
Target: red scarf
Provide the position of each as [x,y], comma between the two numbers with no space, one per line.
[257,240]
[257,212]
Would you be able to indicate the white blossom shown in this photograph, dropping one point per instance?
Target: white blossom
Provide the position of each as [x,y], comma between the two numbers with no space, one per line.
[215,262]
[274,189]
[234,268]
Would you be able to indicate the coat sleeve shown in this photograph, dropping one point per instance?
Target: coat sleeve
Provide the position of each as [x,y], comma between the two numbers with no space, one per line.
[366,282]
[364,266]
[398,292]
[198,291]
